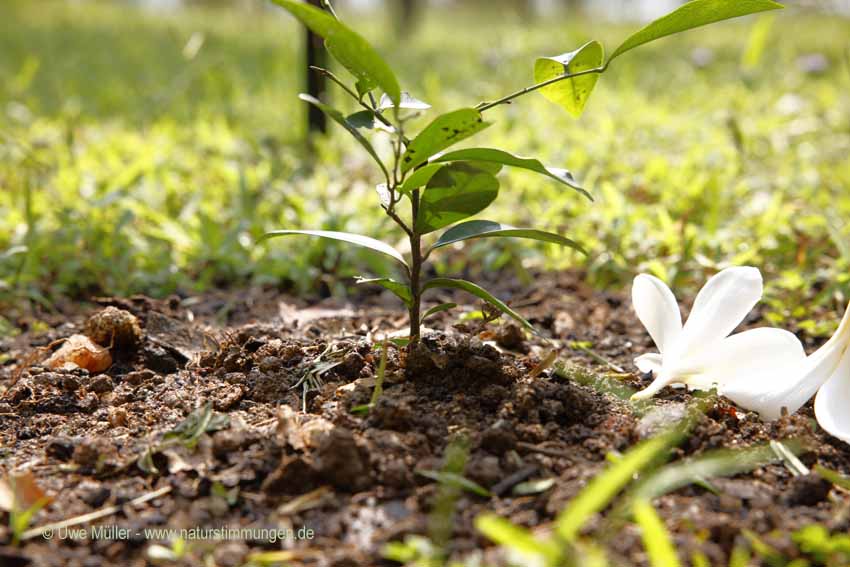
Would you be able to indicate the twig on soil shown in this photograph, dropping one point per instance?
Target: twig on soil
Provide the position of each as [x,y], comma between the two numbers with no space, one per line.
[31,358]
[96,515]
[509,482]
[545,451]
[789,459]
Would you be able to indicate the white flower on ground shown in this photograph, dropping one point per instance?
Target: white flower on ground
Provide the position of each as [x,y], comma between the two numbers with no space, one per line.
[701,354]
[763,370]
[826,371]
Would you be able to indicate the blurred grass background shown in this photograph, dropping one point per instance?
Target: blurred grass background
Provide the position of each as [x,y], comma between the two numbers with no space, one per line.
[145,150]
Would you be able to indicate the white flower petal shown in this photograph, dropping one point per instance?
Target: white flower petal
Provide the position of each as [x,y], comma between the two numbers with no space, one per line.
[650,362]
[734,359]
[657,309]
[832,404]
[720,306]
[771,389]
[740,356]
[660,382]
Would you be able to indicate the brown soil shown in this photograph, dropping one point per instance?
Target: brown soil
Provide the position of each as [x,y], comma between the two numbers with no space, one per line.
[98,440]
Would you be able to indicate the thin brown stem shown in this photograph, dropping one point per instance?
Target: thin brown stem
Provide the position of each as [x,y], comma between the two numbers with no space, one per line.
[393,215]
[481,107]
[378,114]
[334,78]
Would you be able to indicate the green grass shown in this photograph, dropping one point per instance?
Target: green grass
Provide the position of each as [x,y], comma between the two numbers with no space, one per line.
[127,166]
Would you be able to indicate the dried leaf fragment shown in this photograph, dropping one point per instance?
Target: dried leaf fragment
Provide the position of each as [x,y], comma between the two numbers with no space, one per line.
[20,492]
[79,351]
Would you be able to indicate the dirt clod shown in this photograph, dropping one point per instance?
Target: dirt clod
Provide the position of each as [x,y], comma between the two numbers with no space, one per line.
[114,328]
[294,475]
[100,384]
[59,448]
[807,490]
[339,461]
[499,437]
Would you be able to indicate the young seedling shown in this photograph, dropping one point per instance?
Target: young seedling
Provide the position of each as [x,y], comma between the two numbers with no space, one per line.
[440,189]
[22,498]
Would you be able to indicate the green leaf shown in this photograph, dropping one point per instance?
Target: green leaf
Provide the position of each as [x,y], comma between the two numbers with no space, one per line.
[202,420]
[408,102]
[337,117]
[456,480]
[603,487]
[364,119]
[691,15]
[357,239]
[363,87]
[517,538]
[488,229]
[402,291]
[491,155]
[454,193]
[572,94]
[347,47]
[757,41]
[656,538]
[479,292]
[438,309]
[720,463]
[442,132]
[420,177]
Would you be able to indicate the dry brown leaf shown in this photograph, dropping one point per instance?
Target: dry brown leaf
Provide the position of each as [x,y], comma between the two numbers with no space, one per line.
[21,492]
[79,351]
[544,365]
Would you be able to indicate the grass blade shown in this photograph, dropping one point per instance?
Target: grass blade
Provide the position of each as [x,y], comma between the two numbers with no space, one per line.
[720,463]
[656,538]
[604,487]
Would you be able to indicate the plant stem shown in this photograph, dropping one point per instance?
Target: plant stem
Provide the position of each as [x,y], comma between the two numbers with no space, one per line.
[415,271]
[507,99]
[378,114]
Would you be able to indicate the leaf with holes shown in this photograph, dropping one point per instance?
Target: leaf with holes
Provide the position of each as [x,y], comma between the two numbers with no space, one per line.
[572,94]
[444,131]
[501,157]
